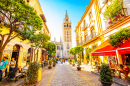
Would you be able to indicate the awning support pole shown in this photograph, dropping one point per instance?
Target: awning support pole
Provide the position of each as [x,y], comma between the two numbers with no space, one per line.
[118,57]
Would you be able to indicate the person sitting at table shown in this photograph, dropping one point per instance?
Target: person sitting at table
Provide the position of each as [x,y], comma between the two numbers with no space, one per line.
[125,70]
[3,67]
[12,64]
[25,68]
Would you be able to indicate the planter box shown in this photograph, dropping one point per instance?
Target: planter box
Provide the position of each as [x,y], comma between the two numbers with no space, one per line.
[53,65]
[106,83]
[78,68]
[49,67]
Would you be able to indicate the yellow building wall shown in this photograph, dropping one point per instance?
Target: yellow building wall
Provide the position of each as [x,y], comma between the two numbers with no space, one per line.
[22,51]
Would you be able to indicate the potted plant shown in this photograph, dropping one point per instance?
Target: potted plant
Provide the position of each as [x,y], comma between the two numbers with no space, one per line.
[32,70]
[57,60]
[54,62]
[70,61]
[113,12]
[79,63]
[106,75]
[73,62]
[50,63]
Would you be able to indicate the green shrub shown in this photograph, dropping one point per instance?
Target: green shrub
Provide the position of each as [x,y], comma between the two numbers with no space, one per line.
[113,10]
[54,61]
[57,59]
[50,62]
[105,73]
[79,63]
[32,73]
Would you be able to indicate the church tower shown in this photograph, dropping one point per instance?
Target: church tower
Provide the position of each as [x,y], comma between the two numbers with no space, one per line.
[67,36]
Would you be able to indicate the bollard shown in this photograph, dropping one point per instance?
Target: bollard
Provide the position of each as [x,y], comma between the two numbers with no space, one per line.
[39,74]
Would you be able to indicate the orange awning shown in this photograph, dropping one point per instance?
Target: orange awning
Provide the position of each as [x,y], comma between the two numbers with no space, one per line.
[105,49]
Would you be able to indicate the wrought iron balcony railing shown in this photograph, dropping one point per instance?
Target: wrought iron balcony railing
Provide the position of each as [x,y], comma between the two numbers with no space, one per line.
[89,38]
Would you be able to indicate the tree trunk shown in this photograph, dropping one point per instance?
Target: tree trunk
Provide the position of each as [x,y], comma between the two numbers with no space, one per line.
[37,55]
[1,54]
[34,55]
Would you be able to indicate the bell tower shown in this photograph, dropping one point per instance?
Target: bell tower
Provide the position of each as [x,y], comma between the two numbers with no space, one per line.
[67,36]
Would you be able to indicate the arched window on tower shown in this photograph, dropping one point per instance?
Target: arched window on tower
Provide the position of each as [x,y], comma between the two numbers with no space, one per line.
[67,45]
[67,25]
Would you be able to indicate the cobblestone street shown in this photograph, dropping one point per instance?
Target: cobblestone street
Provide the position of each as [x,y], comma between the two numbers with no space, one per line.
[66,75]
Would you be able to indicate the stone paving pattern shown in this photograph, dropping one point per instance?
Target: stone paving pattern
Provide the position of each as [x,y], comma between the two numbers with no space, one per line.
[46,75]
[65,75]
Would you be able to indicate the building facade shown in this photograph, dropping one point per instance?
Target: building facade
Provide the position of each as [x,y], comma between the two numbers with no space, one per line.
[20,50]
[88,30]
[67,36]
[59,49]
[93,30]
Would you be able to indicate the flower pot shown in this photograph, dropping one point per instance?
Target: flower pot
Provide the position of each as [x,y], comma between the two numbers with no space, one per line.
[73,64]
[106,83]
[78,68]
[49,67]
[53,65]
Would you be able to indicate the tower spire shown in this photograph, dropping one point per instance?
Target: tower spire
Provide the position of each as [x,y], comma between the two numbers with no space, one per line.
[66,17]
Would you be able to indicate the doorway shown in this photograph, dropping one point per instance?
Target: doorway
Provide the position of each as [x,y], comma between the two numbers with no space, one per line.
[15,53]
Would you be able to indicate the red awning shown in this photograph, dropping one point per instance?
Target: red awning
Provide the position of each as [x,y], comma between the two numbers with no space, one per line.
[124,48]
[105,49]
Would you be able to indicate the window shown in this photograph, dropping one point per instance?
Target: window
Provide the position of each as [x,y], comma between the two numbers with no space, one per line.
[66,19]
[94,47]
[69,25]
[67,46]
[90,15]
[92,32]
[58,47]
[84,23]
[64,25]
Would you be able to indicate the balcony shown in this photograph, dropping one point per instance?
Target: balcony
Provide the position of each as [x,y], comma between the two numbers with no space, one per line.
[89,38]
[84,27]
[117,19]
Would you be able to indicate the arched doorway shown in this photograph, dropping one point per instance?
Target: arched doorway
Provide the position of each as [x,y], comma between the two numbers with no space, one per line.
[15,53]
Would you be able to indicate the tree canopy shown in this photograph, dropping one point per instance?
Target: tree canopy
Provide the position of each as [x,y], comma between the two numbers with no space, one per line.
[51,48]
[117,39]
[88,51]
[78,49]
[18,17]
[39,39]
[72,51]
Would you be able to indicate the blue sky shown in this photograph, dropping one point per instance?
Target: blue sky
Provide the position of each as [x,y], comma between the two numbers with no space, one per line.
[54,11]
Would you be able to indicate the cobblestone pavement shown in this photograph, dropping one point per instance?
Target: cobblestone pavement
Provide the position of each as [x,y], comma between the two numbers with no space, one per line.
[66,75]
[46,75]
